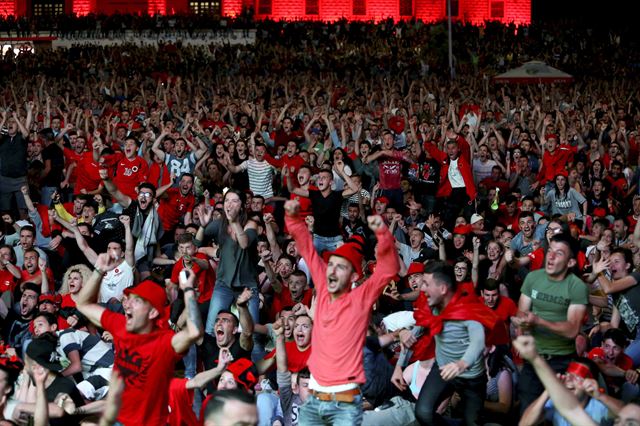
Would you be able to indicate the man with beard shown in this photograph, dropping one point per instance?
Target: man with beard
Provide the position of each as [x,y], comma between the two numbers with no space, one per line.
[17,331]
[336,363]
[146,226]
[146,352]
[227,334]
[354,225]
[456,321]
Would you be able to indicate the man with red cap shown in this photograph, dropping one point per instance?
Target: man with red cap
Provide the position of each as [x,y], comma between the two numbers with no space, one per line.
[341,319]
[146,352]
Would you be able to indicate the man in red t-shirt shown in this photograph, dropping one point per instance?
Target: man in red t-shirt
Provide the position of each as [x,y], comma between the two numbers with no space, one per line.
[503,307]
[146,352]
[9,273]
[131,169]
[615,365]
[291,160]
[196,262]
[295,290]
[304,182]
[35,271]
[72,157]
[88,169]
[176,203]
[390,166]
[298,351]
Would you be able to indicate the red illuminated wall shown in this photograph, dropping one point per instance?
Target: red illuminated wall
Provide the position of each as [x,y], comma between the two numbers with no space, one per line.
[7,7]
[83,7]
[475,11]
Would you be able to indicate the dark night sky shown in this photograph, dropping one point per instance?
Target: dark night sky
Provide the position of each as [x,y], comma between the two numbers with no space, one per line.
[613,12]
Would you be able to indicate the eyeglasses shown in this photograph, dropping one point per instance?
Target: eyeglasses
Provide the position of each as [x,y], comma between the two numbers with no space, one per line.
[145,195]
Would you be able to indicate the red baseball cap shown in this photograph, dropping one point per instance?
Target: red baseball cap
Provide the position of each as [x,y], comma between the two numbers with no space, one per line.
[415,268]
[151,292]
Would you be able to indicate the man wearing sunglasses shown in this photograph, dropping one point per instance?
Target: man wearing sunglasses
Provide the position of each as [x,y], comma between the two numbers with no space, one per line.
[145,222]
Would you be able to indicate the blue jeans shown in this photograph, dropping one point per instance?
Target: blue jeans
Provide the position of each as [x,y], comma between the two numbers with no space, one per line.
[269,408]
[223,297]
[326,243]
[315,412]
[46,192]
[633,350]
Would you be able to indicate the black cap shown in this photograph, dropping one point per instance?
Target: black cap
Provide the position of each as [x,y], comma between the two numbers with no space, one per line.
[43,351]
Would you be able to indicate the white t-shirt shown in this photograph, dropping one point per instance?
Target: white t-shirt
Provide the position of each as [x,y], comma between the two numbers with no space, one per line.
[115,281]
[455,177]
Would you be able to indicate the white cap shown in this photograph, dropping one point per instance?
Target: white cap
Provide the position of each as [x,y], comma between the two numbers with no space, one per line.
[475,218]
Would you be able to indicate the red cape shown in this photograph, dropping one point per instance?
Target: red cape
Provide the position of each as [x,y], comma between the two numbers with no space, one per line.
[464,306]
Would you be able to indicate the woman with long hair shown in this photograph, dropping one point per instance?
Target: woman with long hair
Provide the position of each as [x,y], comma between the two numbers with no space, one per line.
[240,154]
[564,200]
[236,236]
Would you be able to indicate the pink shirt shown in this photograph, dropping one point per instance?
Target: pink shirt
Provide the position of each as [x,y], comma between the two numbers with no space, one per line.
[339,327]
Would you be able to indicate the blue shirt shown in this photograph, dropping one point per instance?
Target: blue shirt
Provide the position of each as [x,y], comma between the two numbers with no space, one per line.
[518,245]
[594,408]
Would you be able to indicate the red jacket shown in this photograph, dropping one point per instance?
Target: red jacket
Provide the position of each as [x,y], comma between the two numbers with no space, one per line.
[463,165]
[553,163]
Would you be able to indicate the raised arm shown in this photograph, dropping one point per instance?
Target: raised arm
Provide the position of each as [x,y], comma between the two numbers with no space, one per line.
[246,322]
[128,241]
[88,252]
[281,351]
[156,144]
[121,198]
[563,399]
[194,329]
[88,296]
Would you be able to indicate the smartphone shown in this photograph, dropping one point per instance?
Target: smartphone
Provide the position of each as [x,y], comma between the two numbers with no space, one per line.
[183,276]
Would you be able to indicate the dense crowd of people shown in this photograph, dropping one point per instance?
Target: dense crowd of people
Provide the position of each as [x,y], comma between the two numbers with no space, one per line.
[322,228]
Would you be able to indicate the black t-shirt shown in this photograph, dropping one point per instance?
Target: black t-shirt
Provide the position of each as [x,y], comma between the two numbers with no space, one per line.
[326,212]
[64,385]
[13,151]
[628,304]
[209,352]
[54,154]
[425,175]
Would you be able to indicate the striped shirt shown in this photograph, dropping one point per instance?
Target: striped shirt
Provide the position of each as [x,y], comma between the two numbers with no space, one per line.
[94,352]
[260,177]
